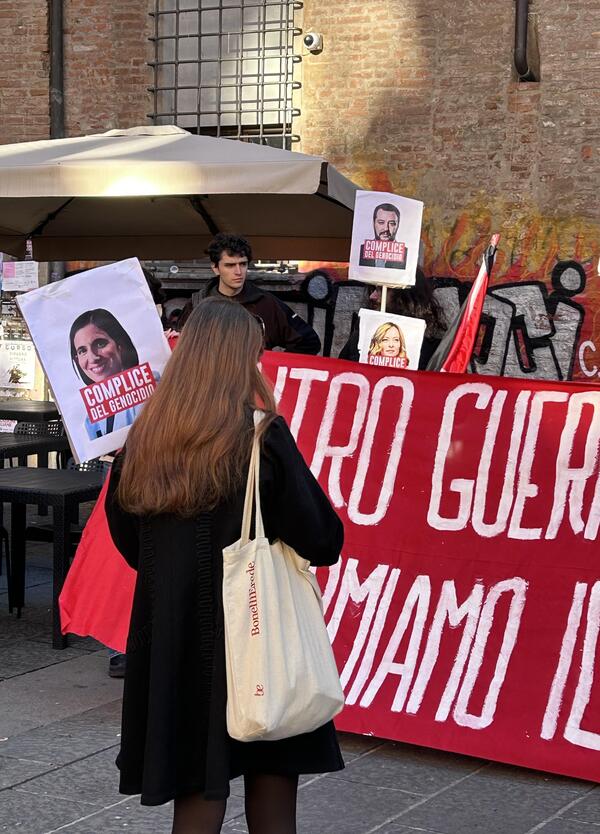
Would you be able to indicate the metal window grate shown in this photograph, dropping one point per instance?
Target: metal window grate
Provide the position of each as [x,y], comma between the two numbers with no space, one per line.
[226,68]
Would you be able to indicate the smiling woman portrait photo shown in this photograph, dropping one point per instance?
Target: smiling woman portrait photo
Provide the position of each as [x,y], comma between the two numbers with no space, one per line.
[101,347]
[388,340]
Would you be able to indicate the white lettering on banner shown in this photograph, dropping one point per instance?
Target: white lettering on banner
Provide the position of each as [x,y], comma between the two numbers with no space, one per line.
[338,453]
[352,589]
[374,637]
[574,731]
[393,461]
[481,488]
[569,479]
[306,376]
[478,614]
[418,596]
[570,482]
[279,382]
[332,581]
[591,528]
[564,662]
[525,489]
[447,611]
[463,487]
[518,588]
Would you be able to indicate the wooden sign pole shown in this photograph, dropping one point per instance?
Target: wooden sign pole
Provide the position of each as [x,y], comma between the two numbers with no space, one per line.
[383,298]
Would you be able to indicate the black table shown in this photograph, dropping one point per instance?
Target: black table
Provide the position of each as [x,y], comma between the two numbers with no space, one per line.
[63,490]
[28,411]
[21,445]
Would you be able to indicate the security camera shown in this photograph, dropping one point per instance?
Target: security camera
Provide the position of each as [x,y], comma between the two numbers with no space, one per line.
[313,41]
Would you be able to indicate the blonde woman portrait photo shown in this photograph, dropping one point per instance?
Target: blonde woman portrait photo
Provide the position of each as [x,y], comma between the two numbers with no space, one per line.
[388,341]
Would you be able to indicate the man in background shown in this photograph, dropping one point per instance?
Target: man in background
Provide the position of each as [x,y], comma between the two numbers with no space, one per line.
[230,257]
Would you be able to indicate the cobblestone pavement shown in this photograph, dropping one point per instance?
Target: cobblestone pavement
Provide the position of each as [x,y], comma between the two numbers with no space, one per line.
[59,735]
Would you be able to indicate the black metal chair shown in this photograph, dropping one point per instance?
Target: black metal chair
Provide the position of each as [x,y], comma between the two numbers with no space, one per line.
[54,428]
[44,532]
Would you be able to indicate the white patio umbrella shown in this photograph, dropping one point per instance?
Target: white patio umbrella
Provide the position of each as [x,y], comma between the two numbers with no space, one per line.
[161,192]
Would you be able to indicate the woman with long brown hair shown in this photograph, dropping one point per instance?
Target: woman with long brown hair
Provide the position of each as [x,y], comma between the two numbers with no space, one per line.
[175,500]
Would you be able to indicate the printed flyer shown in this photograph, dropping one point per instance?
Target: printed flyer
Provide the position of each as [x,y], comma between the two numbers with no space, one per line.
[102,347]
[17,364]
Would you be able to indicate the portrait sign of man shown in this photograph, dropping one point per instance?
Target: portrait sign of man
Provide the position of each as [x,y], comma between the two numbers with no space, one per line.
[383,250]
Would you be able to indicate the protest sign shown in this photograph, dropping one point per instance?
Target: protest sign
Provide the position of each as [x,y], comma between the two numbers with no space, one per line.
[390,341]
[386,233]
[102,347]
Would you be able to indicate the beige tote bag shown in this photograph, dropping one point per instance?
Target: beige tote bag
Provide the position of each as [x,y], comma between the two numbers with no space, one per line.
[281,674]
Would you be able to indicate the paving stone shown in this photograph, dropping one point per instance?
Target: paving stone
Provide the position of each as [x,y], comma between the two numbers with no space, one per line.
[17,658]
[236,786]
[12,629]
[56,692]
[587,809]
[397,828]
[19,815]
[353,746]
[15,771]
[333,806]
[132,817]
[566,826]
[86,644]
[69,739]
[496,800]
[94,779]
[126,816]
[33,576]
[409,768]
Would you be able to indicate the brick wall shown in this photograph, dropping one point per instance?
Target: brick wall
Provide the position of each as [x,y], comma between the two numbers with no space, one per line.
[24,88]
[106,72]
[426,104]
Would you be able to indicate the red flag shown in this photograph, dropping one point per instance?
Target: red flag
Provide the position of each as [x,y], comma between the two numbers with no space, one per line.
[454,351]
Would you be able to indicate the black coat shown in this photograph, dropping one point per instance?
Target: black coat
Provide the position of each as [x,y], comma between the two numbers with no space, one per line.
[174,739]
[283,328]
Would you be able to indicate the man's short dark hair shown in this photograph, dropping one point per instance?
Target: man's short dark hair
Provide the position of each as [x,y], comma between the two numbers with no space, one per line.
[159,296]
[232,244]
[387,207]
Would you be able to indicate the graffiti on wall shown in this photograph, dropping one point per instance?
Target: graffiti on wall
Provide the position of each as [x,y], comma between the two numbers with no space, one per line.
[541,318]
[526,330]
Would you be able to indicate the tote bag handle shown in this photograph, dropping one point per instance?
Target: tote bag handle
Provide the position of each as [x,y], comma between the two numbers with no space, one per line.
[253,489]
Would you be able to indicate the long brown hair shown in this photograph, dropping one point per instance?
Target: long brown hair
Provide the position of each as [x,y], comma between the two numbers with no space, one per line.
[190,446]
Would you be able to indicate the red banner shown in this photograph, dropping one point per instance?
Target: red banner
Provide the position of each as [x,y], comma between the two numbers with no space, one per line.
[465,610]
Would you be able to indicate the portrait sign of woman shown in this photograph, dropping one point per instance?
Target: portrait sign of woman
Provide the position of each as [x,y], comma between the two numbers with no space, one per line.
[388,341]
[100,347]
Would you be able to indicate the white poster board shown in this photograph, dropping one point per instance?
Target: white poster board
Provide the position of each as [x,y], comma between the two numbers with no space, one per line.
[17,364]
[102,347]
[386,233]
[386,340]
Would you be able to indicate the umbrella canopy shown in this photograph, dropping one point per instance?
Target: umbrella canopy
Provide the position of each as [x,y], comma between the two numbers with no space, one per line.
[161,192]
